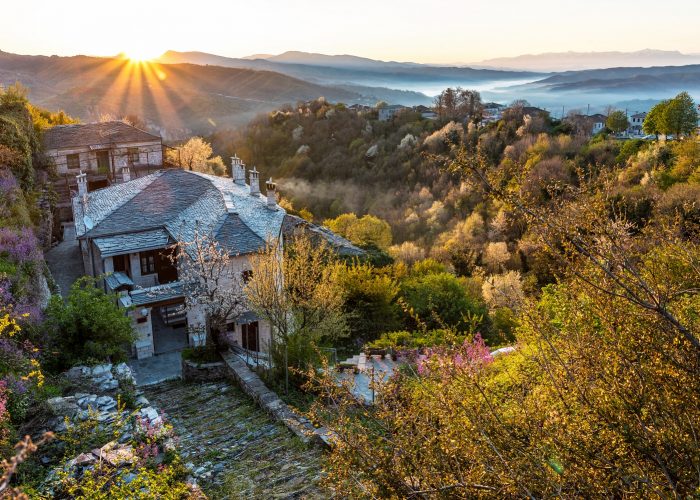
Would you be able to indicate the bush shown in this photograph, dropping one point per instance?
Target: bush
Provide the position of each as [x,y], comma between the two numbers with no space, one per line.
[200,355]
[89,328]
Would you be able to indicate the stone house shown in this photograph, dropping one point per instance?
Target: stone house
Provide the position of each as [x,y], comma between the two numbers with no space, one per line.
[107,152]
[126,232]
[101,148]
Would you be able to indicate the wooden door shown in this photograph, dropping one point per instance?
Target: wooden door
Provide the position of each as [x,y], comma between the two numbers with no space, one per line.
[250,336]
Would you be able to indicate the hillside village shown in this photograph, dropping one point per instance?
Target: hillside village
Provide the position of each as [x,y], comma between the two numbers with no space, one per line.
[261,311]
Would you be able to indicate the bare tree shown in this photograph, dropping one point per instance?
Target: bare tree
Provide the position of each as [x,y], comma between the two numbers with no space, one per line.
[211,282]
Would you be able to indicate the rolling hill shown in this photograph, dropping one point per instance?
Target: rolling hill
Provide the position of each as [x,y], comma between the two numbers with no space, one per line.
[183,97]
[573,61]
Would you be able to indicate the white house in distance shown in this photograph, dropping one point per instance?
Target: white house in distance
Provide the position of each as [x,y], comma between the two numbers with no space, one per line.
[636,123]
[126,232]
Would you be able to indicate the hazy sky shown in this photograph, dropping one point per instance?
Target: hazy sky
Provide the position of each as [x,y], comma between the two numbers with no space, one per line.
[423,31]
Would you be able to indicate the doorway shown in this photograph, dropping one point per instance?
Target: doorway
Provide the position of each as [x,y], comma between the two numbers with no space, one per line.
[249,336]
[103,164]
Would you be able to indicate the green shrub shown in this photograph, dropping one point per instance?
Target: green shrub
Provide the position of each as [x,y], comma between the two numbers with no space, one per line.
[88,328]
[200,355]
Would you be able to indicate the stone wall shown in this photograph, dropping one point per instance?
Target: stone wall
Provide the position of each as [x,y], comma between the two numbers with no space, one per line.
[203,372]
[272,404]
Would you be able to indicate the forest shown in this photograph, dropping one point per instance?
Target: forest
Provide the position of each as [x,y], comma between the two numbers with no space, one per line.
[578,252]
[538,284]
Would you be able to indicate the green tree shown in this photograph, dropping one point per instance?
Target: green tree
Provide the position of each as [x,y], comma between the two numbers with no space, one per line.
[441,299]
[680,116]
[296,292]
[617,121]
[653,122]
[370,299]
[88,328]
[366,230]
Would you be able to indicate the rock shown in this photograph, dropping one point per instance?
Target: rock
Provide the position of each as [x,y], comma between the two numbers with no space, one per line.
[101,370]
[121,455]
[45,460]
[77,372]
[105,403]
[122,371]
[63,406]
[150,413]
[109,385]
[142,401]
[83,459]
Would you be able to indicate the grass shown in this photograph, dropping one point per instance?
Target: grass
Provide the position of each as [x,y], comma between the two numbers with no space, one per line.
[201,355]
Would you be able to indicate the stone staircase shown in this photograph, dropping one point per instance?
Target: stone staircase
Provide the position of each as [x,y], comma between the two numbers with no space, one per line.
[234,449]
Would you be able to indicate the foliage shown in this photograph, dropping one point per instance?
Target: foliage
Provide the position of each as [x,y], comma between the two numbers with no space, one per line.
[404,340]
[369,296]
[88,328]
[441,299]
[677,116]
[362,231]
[295,289]
[617,121]
[203,354]
[196,155]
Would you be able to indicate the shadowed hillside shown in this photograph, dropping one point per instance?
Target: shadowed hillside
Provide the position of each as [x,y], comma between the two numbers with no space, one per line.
[181,97]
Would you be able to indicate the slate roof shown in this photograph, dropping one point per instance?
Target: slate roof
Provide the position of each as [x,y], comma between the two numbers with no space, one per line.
[117,280]
[89,134]
[155,294]
[132,242]
[238,237]
[177,203]
[292,224]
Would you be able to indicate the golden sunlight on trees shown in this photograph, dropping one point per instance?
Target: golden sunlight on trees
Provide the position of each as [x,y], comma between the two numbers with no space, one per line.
[196,155]
[295,290]
[366,230]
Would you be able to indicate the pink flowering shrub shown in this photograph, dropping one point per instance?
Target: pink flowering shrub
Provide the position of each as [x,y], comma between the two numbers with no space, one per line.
[466,358]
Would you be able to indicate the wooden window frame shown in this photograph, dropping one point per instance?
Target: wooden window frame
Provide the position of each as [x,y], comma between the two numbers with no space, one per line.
[148,262]
[74,156]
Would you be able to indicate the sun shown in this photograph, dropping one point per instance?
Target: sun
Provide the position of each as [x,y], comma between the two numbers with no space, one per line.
[141,54]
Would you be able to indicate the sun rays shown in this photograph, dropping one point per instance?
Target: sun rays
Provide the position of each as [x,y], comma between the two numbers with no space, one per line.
[139,87]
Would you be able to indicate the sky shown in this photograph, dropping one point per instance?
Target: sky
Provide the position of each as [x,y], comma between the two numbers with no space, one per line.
[427,31]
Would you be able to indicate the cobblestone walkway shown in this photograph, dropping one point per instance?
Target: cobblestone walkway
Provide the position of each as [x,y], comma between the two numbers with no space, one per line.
[64,260]
[235,449]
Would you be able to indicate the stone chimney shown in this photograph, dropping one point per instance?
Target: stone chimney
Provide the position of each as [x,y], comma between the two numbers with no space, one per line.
[254,182]
[82,184]
[271,194]
[126,174]
[237,170]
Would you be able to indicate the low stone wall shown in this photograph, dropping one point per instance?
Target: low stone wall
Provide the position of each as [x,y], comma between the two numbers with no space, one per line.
[271,403]
[203,372]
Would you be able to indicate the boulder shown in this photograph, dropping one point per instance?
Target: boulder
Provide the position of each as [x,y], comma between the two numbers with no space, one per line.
[77,372]
[61,407]
[101,370]
[122,371]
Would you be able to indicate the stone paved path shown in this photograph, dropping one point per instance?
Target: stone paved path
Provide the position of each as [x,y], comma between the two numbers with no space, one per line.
[237,450]
[64,260]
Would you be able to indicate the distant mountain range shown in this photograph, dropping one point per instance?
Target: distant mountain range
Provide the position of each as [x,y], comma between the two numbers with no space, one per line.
[666,80]
[352,70]
[571,61]
[197,92]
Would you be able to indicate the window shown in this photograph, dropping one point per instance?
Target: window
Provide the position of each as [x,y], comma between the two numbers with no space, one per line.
[73,161]
[148,262]
[246,275]
[133,155]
